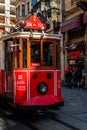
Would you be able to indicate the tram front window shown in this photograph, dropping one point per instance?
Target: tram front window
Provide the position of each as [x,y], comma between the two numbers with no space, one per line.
[35,51]
[47,53]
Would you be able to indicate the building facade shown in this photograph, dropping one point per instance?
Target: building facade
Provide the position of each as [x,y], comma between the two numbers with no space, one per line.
[23,10]
[7,15]
[74,32]
[48,11]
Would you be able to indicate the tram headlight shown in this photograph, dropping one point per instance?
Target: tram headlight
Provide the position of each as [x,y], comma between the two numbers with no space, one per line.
[42,88]
[49,75]
[34,76]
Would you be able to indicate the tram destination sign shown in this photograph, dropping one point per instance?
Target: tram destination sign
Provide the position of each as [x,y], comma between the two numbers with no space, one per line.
[35,23]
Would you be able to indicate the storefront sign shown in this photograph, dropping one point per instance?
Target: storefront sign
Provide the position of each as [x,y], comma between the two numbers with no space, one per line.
[74,55]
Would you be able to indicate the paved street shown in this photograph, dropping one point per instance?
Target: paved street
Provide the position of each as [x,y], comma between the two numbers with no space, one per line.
[75,106]
[75,103]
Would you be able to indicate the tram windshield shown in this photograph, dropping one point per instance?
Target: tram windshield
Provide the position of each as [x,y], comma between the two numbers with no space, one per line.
[29,53]
[35,51]
[47,54]
[41,53]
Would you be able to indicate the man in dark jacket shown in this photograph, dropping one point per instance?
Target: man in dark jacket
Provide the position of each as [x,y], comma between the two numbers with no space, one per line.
[68,78]
[77,77]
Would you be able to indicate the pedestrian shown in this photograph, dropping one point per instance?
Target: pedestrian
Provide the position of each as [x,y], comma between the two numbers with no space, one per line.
[68,77]
[74,78]
[77,76]
[82,83]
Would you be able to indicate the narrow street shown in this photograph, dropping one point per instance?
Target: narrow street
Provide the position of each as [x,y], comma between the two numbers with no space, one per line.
[72,116]
[75,103]
[43,46]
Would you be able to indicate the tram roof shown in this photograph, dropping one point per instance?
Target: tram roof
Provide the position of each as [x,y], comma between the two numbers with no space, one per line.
[32,35]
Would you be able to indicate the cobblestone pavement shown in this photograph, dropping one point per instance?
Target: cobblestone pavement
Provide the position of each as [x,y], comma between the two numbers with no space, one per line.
[75,103]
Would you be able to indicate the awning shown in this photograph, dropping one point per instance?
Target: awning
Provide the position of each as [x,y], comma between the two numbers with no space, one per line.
[72,23]
[73,46]
[85,18]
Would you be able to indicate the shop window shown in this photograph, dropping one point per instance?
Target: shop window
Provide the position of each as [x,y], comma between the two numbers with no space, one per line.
[76,33]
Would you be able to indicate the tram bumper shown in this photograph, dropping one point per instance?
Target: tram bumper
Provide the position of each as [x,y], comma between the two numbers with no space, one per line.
[45,102]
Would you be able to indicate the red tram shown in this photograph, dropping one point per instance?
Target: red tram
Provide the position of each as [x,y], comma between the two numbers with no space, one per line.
[30,69]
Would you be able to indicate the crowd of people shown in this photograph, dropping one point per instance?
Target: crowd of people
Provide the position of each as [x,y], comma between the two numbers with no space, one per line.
[74,78]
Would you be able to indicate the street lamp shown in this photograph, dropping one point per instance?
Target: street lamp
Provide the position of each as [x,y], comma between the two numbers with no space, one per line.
[56,27]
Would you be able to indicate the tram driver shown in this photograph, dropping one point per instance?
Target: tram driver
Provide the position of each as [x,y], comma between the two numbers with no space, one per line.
[35,56]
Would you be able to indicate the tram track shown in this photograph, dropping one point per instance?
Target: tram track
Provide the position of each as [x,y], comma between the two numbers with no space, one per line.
[9,115]
[46,121]
[50,119]
[31,125]
[72,127]
[40,122]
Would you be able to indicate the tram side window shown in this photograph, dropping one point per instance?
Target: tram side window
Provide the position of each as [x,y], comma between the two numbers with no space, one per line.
[17,52]
[47,54]
[57,54]
[24,52]
[8,56]
[35,51]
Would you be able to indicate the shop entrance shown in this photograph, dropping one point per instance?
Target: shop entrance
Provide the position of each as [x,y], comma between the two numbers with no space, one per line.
[76,58]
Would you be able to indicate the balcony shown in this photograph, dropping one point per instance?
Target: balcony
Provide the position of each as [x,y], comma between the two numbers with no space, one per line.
[18,1]
[12,10]
[2,9]
[82,4]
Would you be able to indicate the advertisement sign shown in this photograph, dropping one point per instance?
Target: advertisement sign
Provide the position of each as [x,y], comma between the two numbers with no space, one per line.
[21,80]
[21,84]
